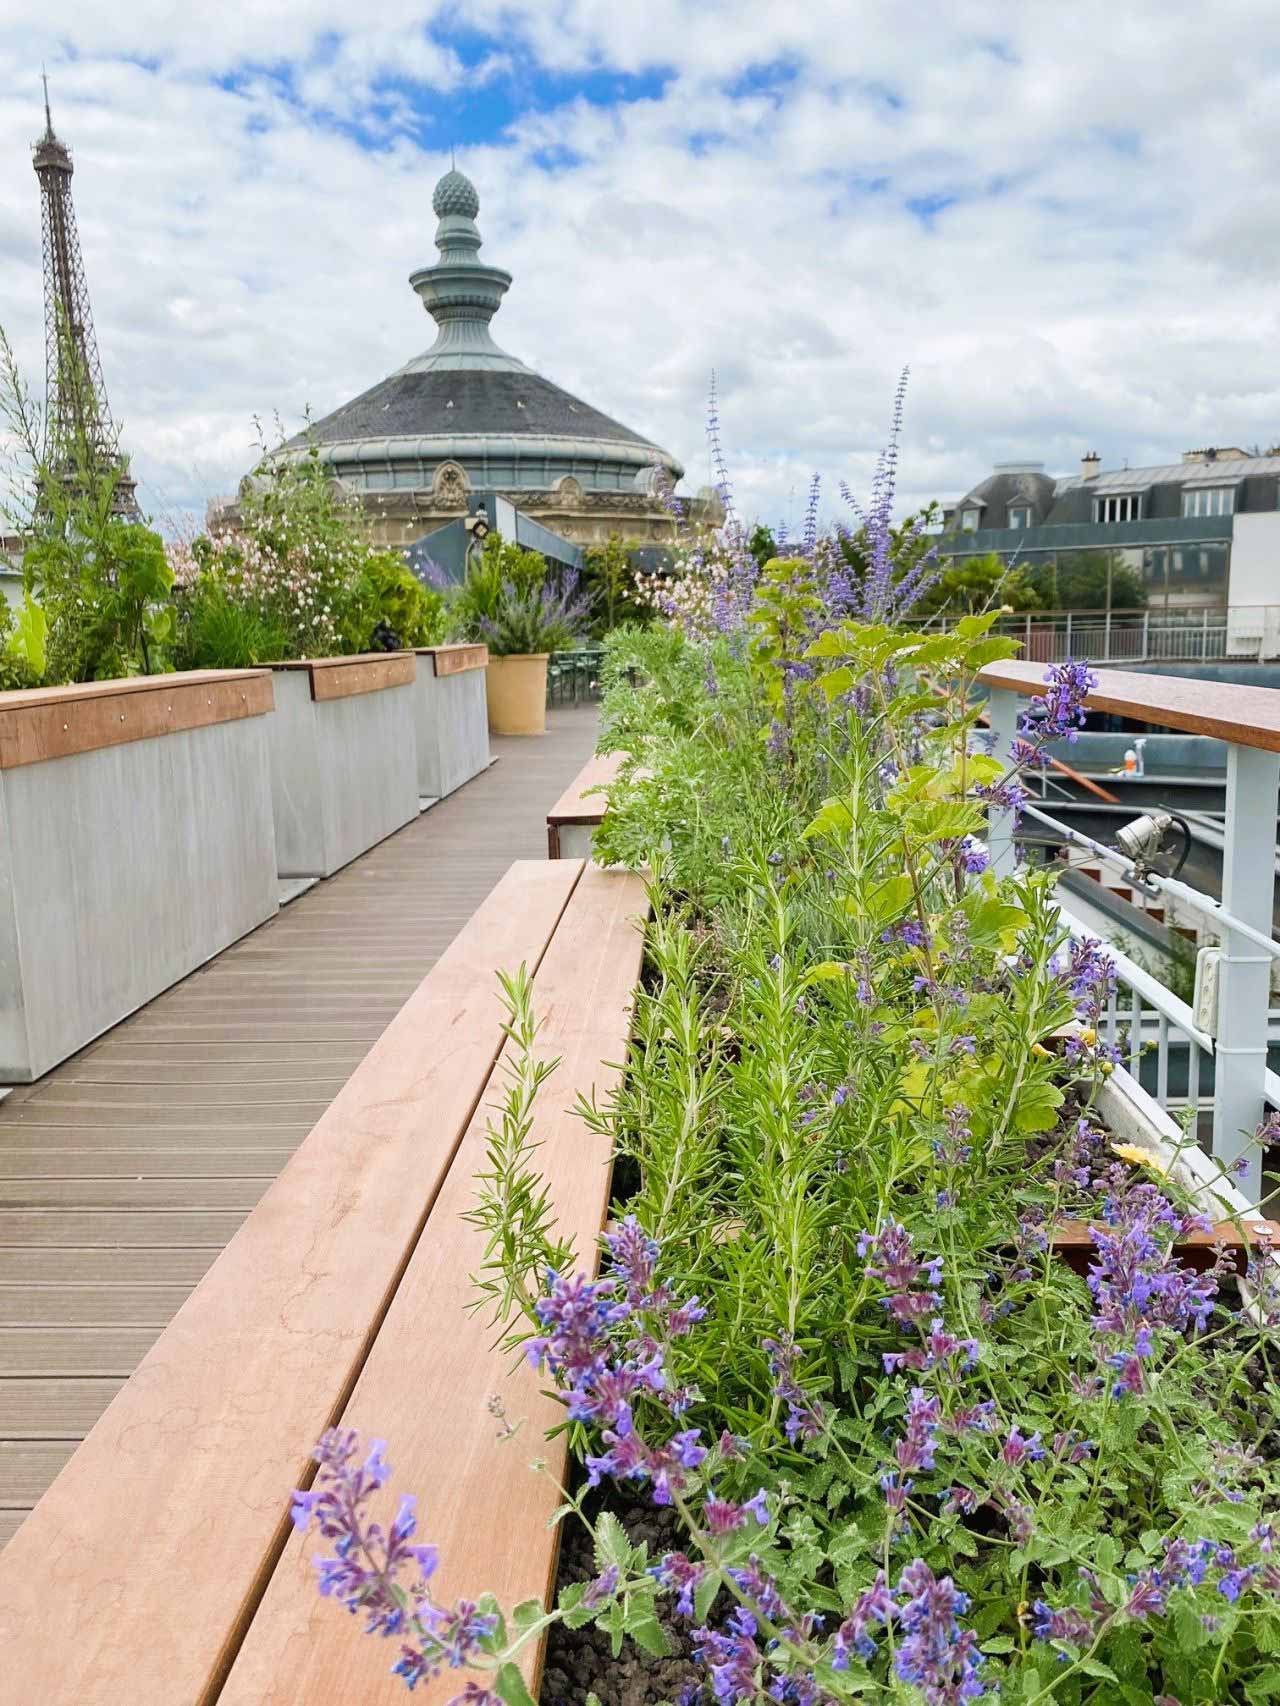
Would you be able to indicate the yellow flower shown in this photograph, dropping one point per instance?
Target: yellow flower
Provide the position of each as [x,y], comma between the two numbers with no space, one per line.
[1140,1157]
[1088,1035]
[1040,1051]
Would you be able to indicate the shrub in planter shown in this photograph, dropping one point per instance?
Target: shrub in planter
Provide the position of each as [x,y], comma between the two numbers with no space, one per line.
[914,1456]
[523,611]
[296,577]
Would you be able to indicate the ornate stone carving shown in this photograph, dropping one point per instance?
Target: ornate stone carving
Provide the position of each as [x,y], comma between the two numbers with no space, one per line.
[450,486]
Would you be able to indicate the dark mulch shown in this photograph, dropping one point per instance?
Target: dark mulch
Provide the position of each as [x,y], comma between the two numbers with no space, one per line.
[579,1661]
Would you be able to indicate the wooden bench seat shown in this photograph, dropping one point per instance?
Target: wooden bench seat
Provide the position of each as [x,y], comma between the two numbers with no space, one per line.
[578,812]
[434,1366]
[138,1574]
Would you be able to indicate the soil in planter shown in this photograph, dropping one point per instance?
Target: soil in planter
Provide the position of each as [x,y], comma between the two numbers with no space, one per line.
[579,1661]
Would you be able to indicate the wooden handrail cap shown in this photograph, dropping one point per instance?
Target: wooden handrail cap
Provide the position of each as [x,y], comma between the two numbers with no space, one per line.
[1246,716]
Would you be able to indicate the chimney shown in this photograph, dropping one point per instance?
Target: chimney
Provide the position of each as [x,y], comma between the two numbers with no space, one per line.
[1089,465]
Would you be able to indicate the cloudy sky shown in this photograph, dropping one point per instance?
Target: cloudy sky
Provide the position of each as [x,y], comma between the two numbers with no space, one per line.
[1065,219]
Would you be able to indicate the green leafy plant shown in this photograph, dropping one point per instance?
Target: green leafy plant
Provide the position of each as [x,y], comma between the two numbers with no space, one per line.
[391,609]
[101,581]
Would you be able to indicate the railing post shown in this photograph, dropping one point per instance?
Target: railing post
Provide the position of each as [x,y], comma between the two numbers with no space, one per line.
[1068,636]
[1244,972]
[1106,642]
[1146,629]
[1003,710]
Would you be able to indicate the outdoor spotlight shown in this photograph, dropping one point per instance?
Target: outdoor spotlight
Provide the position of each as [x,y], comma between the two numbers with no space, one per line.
[1142,838]
[477,526]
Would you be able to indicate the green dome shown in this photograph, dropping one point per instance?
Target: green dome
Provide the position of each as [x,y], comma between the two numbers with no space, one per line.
[455,194]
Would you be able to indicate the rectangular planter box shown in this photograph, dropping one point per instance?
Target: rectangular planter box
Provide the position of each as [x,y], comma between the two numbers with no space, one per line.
[135,843]
[451,716]
[344,763]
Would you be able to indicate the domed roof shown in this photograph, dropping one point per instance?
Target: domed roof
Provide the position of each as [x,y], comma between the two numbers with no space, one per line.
[455,194]
[458,402]
[466,398]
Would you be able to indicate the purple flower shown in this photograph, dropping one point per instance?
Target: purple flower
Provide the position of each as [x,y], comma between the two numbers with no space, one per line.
[731,1658]
[804,1416]
[1067,1624]
[935,1653]
[874,1605]
[890,1257]
[1017,1450]
[915,1450]
[601,1589]
[364,1570]
[1058,713]
[679,1575]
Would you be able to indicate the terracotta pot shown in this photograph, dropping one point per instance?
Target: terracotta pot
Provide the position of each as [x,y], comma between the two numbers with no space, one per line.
[516,688]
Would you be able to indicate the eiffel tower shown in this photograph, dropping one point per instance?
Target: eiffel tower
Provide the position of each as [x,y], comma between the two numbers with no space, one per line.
[77,422]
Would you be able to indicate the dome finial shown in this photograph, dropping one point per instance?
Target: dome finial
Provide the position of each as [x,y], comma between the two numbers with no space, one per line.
[455,195]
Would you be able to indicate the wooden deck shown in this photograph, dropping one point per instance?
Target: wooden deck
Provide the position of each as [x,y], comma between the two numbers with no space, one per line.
[124,1171]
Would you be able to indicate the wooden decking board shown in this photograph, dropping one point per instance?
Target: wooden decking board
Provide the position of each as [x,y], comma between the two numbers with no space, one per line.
[26,1469]
[54,1408]
[267,1030]
[171,1193]
[259,1091]
[65,1307]
[143,1229]
[257,1360]
[64,1133]
[40,1352]
[177,1163]
[53,1110]
[107,1268]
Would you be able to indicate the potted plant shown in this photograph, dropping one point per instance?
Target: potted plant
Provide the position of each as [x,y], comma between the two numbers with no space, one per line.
[527,625]
[520,608]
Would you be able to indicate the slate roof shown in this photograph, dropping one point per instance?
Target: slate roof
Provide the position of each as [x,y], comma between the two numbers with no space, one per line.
[450,402]
[999,490]
[1070,498]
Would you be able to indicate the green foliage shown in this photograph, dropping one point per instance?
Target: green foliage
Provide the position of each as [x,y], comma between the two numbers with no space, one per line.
[297,576]
[1077,580]
[101,582]
[22,645]
[103,585]
[832,988]
[762,544]
[609,582]
[218,630]
[501,571]
[390,608]
[981,583]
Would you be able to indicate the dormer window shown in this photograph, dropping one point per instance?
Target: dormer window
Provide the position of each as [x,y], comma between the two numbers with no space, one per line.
[969,519]
[1118,506]
[1209,500]
[1019,515]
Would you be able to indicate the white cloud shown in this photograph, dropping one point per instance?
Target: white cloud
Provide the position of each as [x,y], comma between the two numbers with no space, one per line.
[253,188]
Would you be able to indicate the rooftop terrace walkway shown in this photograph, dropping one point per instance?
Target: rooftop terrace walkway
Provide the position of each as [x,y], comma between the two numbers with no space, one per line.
[125,1171]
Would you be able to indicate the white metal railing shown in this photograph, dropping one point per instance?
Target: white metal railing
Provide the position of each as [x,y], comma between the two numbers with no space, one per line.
[1234,1041]
[1177,634]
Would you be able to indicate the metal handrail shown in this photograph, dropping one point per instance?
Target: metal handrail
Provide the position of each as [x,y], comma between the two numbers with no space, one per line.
[1154,883]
